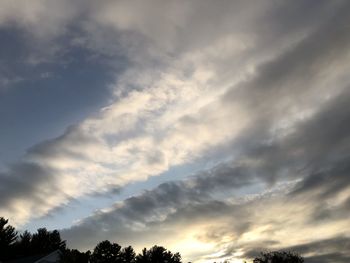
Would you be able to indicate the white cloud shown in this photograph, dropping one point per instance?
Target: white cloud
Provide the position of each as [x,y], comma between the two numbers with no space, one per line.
[202,77]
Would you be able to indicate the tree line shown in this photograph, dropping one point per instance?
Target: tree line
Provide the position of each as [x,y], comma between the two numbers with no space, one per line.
[14,245]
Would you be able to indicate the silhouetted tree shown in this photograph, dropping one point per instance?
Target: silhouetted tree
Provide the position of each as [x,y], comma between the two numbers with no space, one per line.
[158,254]
[8,236]
[128,255]
[106,252]
[143,257]
[46,241]
[279,257]
[75,256]
[23,244]
[55,241]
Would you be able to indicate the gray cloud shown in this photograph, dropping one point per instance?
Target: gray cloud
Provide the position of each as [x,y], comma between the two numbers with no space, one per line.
[328,250]
[171,202]
[293,152]
[22,180]
[314,152]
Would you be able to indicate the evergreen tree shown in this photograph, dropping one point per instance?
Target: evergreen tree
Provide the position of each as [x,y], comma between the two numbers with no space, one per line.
[75,256]
[44,241]
[128,255]
[158,254]
[8,236]
[106,252]
[23,244]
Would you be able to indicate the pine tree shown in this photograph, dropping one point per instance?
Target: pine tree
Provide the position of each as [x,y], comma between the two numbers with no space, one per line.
[8,236]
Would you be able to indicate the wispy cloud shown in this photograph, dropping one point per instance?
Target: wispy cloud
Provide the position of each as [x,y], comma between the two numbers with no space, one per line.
[260,89]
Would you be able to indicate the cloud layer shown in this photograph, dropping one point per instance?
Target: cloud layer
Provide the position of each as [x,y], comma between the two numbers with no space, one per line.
[259,90]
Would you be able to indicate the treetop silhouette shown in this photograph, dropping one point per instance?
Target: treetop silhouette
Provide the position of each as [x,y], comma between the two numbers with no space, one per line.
[278,257]
[44,242]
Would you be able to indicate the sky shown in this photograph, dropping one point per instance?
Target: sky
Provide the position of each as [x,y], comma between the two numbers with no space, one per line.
[218,129]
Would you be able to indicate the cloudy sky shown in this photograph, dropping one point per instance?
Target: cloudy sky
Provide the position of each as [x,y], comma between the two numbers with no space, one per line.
[214,128]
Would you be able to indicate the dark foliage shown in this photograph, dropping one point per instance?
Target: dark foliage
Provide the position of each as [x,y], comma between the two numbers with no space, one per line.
[46,241]
[27,244]
[23,245]
[106,252]
[158,254]
[279,257]
[75,256]
[43,242]
[128,255]
[8,236]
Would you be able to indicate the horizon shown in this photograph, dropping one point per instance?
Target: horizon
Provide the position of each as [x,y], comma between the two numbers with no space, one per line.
[213,128]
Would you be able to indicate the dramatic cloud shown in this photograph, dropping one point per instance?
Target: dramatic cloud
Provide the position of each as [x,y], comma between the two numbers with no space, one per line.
[256,91]
[213,214]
